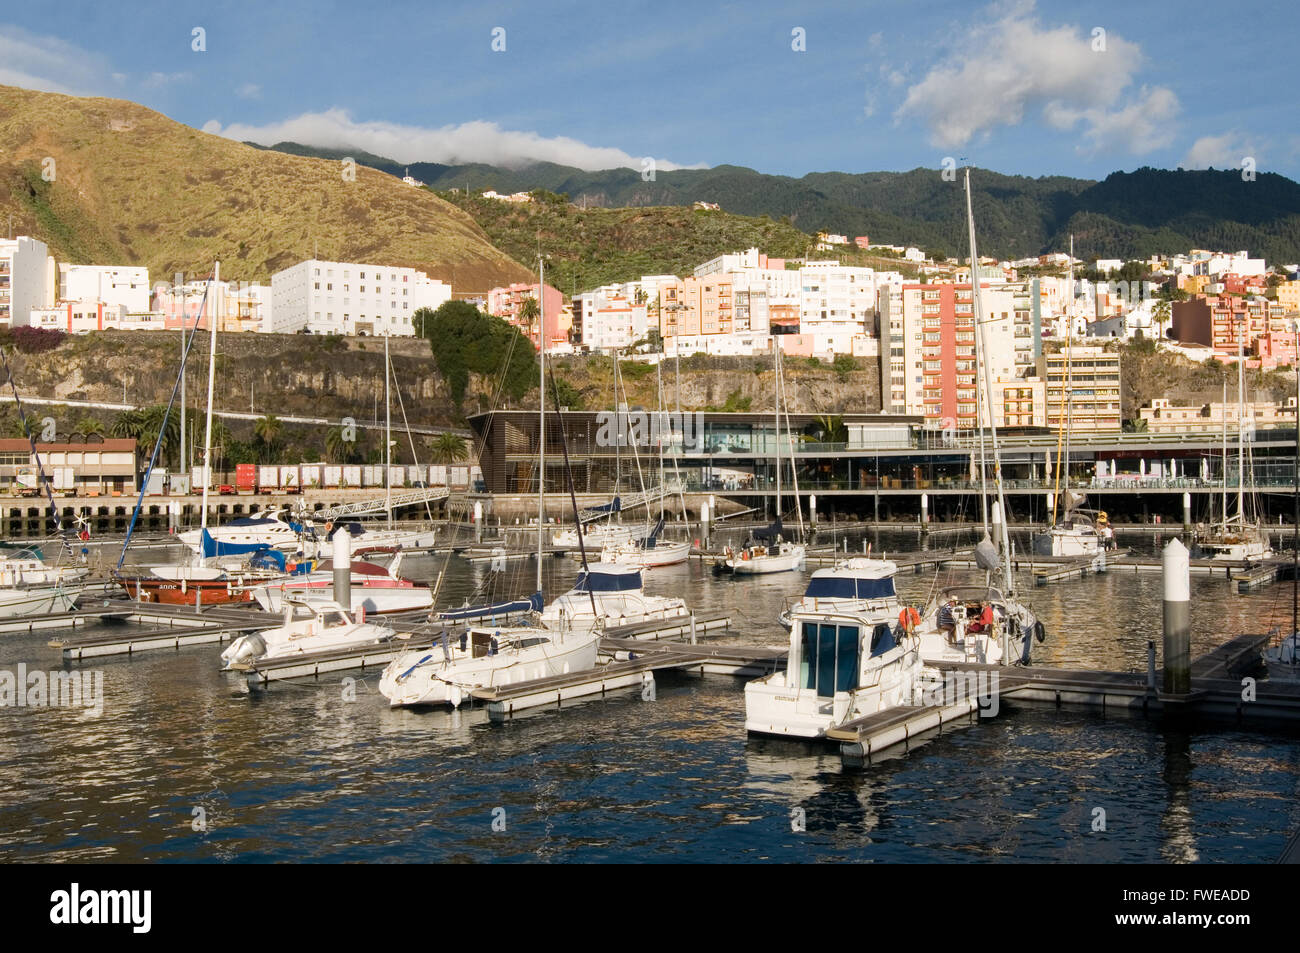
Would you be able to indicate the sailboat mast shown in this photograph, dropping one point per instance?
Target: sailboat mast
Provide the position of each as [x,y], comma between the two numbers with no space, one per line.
[1241,427]
[982,350]
[212,379]
[776,416]
[388,439]
[1224,415]
[541,418]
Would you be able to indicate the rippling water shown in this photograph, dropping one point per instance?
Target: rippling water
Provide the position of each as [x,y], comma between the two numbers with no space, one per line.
[299,773]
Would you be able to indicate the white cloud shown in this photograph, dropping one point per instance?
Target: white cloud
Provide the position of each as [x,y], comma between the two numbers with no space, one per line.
[49,64]
[159,80]
[1219,152]
[1014,66]
[468,142]
[249,91]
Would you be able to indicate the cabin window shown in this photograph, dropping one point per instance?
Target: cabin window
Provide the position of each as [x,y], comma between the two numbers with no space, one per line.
[830,658]
[882,640]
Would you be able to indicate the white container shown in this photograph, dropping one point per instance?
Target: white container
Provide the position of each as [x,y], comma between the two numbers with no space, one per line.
[333,476]
[352,475]
[290,478]
[312,475]
[268,478]
[438,475]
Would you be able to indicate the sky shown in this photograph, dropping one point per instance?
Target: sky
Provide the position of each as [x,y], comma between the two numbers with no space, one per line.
[1048,88]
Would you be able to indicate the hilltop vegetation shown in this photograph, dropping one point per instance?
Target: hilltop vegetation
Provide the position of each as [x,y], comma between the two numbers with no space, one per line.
[588,248]
[106,181]
[1129,214]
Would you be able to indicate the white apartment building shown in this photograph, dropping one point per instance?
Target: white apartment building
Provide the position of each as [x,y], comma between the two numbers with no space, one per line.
[24,279]
[837,302]
[611,321]
[125,285]
[339,297]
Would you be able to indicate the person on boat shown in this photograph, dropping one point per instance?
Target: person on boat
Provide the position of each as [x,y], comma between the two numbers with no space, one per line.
[985,621]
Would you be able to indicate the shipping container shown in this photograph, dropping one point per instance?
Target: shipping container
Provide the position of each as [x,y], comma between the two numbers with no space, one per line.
[246,476]
[397,476]
[155,487]
[458,477]
[268,478]
[333,476]
[311,475]
[372,476]
[180,484]
[438,475]
[197,475]
[290,479]
[352,476]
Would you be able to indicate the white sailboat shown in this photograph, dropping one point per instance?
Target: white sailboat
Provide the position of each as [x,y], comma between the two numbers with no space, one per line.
[1236,537]
[771,552]
[1076,533]
[31,586]
[998,617]
[488,656]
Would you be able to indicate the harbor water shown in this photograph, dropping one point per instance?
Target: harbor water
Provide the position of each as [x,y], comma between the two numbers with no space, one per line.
[183,764]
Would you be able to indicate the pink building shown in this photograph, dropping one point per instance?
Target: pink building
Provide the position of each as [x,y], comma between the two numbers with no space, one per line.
[508,303]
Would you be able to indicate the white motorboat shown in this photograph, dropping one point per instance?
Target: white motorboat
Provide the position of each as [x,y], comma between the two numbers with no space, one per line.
[375,589]
[307,627]
[856,584]
[31,586]
[1233,540]
[842,666]
[977,624]
[485,657]
[374,539]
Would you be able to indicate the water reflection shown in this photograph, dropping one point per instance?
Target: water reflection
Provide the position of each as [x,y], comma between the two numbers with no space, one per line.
[305,771]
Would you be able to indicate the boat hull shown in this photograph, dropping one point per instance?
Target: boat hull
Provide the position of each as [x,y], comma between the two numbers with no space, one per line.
[173,592]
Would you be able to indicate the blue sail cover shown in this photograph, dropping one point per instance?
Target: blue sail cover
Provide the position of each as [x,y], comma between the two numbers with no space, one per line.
[611,507]
[210,547]
[267,559]
[841,587]
[596,581]
[533,603]
[772,532]
[649,541]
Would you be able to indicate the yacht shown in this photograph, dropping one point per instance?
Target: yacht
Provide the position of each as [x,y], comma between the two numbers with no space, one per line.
[306,628]
[977,624]
[856,584]
[31,586]
[375,589]
[842,666]
[756,559]
[243,535]
[1075,535]
[647,552]
[1231,540]
[594,538]
[485,657]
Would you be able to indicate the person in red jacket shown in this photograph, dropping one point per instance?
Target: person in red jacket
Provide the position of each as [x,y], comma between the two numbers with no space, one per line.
[984,622]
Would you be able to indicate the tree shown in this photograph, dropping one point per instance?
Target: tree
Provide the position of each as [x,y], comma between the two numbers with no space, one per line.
[339,449]
[266,433]
[827,428]
[465,341]
[89,426]
[448,448]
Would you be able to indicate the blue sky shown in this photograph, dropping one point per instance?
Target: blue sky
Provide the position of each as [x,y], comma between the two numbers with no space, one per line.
[881,85]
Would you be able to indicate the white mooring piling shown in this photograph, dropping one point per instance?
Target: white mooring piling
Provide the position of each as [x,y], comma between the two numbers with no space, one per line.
[341,554]
[1187,512]
[1177,619]
[812,510]
[704,524]
[478,521]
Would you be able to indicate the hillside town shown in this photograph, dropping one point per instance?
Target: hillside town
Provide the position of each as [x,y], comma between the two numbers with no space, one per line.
[1048,325]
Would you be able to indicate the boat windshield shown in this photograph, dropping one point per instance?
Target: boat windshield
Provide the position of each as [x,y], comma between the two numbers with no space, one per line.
[842,587]
[829,657]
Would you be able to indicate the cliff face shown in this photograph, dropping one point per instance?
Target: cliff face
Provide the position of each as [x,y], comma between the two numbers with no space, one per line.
[311,376]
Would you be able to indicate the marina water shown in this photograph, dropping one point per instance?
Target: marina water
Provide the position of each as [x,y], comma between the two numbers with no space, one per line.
[185,765]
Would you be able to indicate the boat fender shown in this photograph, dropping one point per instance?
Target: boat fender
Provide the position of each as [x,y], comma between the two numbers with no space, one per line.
[1040,631]
[744,555]
[464,640]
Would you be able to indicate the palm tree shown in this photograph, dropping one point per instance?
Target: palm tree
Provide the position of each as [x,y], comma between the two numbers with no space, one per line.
[89,426]
[128,423]
[448,448]
[267,431]
[529,312]
[154,421]
[338,449]
[827,428]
